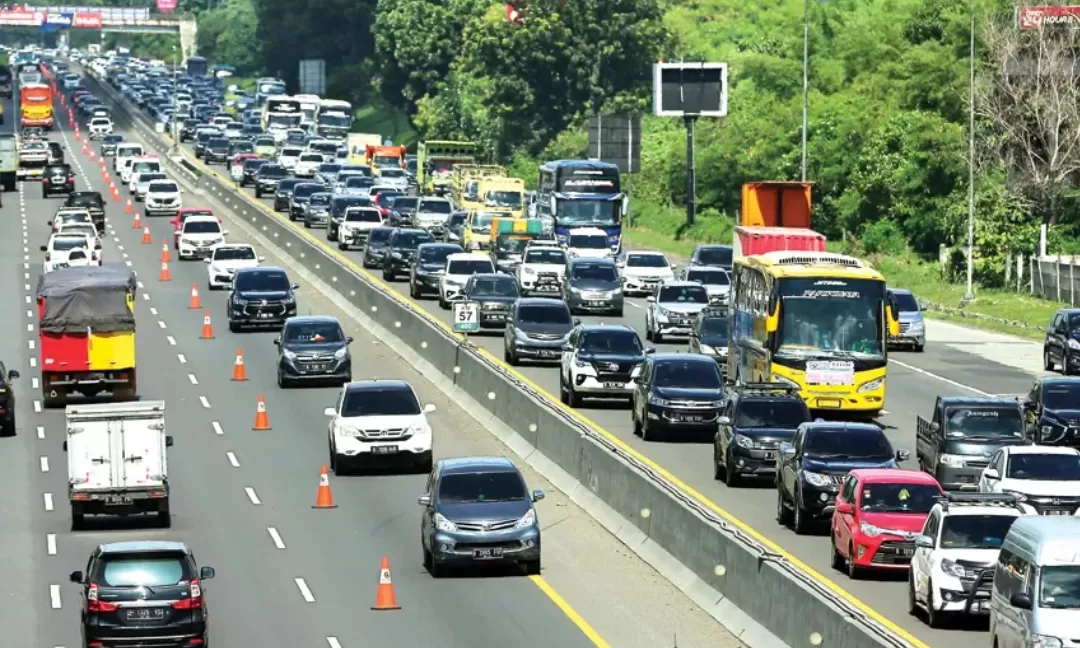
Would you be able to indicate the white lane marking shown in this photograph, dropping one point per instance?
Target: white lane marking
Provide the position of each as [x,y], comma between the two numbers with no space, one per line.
[37,407]
[171,339]
[276,537]
[305,591]
[181,358]
[947,381]
[30,328]
[125,255]
[50,543]
[28,299]
[146,296]
[161,324]
[34,384]
[41,431]
[26,275]
[54,596]
[205,403]
[31,344]
[29,313]
[193,379]
[153,311]
[44,463]
[48,501]
[217,428]
[120,247]
[26,287]
[333,642]
[140,284]
[233,460]
[252,496]
[33,362]
[128,263]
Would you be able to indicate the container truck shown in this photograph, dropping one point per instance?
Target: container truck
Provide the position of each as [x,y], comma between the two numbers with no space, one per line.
[380,156]
[775,217]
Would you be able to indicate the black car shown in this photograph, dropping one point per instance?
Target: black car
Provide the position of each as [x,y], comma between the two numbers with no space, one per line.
[601,362]
[56,153]
[250,168]
[237,147]
[537,329]
[301,194]
[427,267]
[327,173]
[494,292]
[187,128]
[143,593]
[203,137]
[715,256]
[261,297]
[593,285]
[377,247]
[810,469]
[216,150]
[57,179]
[677,393]
[455,226]
[1061,347]
[403,210]
[317,213]
[7,400]
[267,178]
[109,142]
[338,205]
[401,250]
[92,202]
[253,130]
[313,348]
[283,193]
[756,419]
[709,334]
[1052,411]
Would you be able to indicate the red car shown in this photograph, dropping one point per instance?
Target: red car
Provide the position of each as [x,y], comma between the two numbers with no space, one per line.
[182,214]
[879,513]
[384,199]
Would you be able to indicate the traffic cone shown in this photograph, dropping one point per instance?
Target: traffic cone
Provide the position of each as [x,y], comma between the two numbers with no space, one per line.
[146,236]
[262,422]
[115,192]
[85,149]
[194,303]
[165,255]
[384,596]
[207,328]
[93,156]
[137,223]
[77,138]
[324,499]
[129,208]
[164,276]
[239,373]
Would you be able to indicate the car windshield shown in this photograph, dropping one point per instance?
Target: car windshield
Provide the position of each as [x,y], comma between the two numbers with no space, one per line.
[831,318]
[783,413]
[219,143]
[265,142]
[500,286]
[99,121]
[380,401]
[1044,467]
[392,173]
[306,189]
[202,227]
[238,253]
[682,295]
[646,261]
[905,302]
[496,486]
[312,157]
[511,199]
[537,314]
[611,342]
[329,168]
[715,256]
[164,187]
[379,236]
[145,178]
[687,374]
[898,498]
[287,185]
[1062,396]
[850,443]
[320,199]
[709,277]
[314,333]
[141,167]
[406,203]
[145,570]
[434,207]
[113,139]
[363,216]
[74,217]
[252,165]
[508,245]
[358,182]
[547,256]
[411,240]
[63,243]
[594,272]
[975,531]
[267,171]
[291,152]
[588,241]
[437,254]
[714,328]
[469,267]
[262,282]
[242,147]
[1059,586]
[79,228]
[983,423]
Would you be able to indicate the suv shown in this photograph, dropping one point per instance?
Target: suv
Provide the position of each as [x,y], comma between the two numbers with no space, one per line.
[600,361]
[7,400]
[1052,411]
[709,334]
[756,419]
[378,421]
[261,297]
[267,178]
[57,179]
[592,285]
[542,269]
[377,247]
[713,256]
[216,150]
[283,194]
[402,211]
[677,393]
[494,293]
[1062,345]
[1047,477]
[459,268]
[427,267]
[313,348]
[478,510]
[143,592]
[912,324]
[537,329]
[298,200]
[674,308]
[401,250]
[109,143]
[338,205]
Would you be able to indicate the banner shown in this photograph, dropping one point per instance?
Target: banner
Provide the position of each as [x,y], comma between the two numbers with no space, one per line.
[89,20]
[59,19]
[1039,17]
[22,17]
[166,6]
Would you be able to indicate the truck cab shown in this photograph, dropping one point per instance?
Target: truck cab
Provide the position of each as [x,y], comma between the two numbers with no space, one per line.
[503,193]
[509,236]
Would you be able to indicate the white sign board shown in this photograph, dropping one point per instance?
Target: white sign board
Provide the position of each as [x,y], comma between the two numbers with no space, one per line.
[466,317]
[830,372]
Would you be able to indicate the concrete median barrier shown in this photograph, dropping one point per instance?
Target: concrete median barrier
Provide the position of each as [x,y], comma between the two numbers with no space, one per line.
[765,596]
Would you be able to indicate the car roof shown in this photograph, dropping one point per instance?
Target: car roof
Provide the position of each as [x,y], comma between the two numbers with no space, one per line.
[458,465]
[143,546]
[592,261]
[438,244]
[893,476]
[468,256]
[683,357]
[1040,449]
[263,269]
[372,383]
[542,301]
[679,283]
[840,427]
[199,218]
[900,291]
[600,328]
[1059,381]
[587,231]
[312,319]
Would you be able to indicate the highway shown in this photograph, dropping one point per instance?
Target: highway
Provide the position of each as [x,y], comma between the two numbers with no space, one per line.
[288,575]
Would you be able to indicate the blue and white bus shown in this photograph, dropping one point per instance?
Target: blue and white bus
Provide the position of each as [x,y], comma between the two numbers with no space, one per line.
[582,193]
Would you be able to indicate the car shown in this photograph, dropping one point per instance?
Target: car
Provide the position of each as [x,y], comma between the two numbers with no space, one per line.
[89,231]
[288,157]
[600,361]
[313,348]
[495,294]
[202,139]
[317,213]
[140,183]
[298,199]
[402,211]
[713,256]
[709,333]
[431,214]
[233,130]
[60,245]
[677,394]
[537,329]
[755,420]
[265,147]
[56,153]
[401,250]
[588,242]
[283,194]
[267,178]
[127,583]
[912,324]
[126,151]
[99,127]
[1052,411]
[225,259]
[542,270]
[145,164]
[338,205]
[717,282]
[57,179]
[327,173]
[198,236]
[163,197]
[643,272]
[394,179]
[183,214]
[459,267]
[592,285]
[7,400]
[1048,477]
[674,308]
[478,510]
[216,151]
[378,422]
[428,266]
[811,467]
[307,164]
[66,215]
[377,247]
[354,185]
[250,169]
[357,224]
[261,297]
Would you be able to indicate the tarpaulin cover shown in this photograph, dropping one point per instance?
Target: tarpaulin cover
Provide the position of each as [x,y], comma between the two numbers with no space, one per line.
[93,297]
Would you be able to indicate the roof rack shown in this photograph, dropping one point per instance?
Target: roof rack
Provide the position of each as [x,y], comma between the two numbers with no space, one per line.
[1005,500]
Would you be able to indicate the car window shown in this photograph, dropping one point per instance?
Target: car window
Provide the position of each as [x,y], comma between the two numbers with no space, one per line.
[501,486]
[387,401]
[144,571]
[314,333]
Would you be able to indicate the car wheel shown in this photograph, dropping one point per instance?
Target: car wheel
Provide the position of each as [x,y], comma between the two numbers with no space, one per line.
[532,567]
[783,514]
[413,292]
[282,381]
[1048,362]
[443,304]
[573,399]
[934,618]
[510,357]
[799,524]
[718,469]
[836,560]
[427,556]
[919,348]
[8,428]
[436,570]
[853,570]
[912,603]
[341,245]
[731,476]
[234,327]
[1066,365]
[657,337]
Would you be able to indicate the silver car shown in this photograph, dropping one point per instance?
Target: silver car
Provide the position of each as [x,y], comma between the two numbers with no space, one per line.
[394,179]
[674,308]
[717,281]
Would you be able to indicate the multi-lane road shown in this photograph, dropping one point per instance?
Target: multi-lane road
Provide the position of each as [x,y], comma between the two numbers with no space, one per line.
[287,575]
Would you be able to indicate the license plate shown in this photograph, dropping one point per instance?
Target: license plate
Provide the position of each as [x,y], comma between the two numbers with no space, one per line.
[496,318]
[981,606]
[692,418]
[144,614]
[613,385]
[386,449]
[487,553]
[118,499]
[597,302]
[549,354]
[264,315]
[548,287]
[906,552]
[1057,513]
[829,402]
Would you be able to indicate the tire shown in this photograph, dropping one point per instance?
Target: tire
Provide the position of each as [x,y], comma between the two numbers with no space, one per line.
[573,399]
[835,559]
[657,337]
[934,619]
[510,357]
[428,560]
[443,304]
[8,428]
[853,570]
[783,514]
[282,381]
[1048,362]
[919,348]
[234,327]
[912,604]
[731,477]
[646,433]
[413,292]
[799,524]
[164,516]
[342,246]
[532,567]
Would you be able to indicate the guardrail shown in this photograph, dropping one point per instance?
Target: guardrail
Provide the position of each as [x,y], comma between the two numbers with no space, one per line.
[761,593]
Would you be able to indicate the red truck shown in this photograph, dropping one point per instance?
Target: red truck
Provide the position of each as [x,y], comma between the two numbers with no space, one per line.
[776,217]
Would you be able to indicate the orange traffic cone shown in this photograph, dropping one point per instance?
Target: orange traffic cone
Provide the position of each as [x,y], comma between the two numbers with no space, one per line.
[207,328]
[115,192]
[239,373]
[262,420]
[195,303]
[165,254]
[85,149]
[146,236]
[324,499]
[137,223]
[129,208]
[384,596]
[77,138]
[93,156]
[165,276]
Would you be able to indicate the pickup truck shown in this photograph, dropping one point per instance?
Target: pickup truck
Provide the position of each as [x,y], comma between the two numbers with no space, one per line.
[33,156]
[9,161]
[956,443]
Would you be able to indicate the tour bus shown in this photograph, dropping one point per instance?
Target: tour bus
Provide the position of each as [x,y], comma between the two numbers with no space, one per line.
[267,87]
[195,67]
[279,114]
[816,321]
[334,119]
[309,106]
[582,193]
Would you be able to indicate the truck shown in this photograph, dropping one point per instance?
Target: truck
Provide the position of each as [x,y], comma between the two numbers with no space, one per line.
[333,119]
[279,114]
[503,193]
[509,236]
[7,83]
[9,161]
[378,156]
[466,184]
[36,105]
[358,143]
[775,217]
[955,444]
[117,461]
[435,162]
[86,331]
[309,107]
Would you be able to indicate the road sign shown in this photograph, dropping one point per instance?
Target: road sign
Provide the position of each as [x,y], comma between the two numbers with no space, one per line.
[466,317]
[313,77]
[690,89]
[616,139]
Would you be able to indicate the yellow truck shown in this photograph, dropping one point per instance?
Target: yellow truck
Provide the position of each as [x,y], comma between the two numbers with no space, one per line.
[509,236]
[466,184]
[476,234]
[503,193]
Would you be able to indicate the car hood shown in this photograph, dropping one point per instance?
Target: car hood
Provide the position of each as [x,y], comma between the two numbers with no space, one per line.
[235,264]
[202,235]
[843,466]
[689,393]
[911,316]
[479,512]
[1040,488]
[650,273]
[492,299]
[683,307]
[430,268]
[536,327]
[910,523]
[594,284]
[1066,416]
[325,348]
[614,358]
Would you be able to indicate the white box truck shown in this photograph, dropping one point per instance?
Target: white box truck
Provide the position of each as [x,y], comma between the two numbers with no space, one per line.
[117,460]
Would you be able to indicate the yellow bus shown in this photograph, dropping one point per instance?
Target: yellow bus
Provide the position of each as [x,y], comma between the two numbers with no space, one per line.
[816,321]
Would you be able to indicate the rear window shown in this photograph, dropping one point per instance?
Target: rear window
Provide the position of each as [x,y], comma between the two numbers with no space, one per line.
[68,242]
[164,187]
[537,314]
[152,570]
[435,206]
[311,157]
[290,152]
[363,216]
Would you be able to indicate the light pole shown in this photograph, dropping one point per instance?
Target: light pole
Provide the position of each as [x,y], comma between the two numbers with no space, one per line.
[805,81]
[970,295]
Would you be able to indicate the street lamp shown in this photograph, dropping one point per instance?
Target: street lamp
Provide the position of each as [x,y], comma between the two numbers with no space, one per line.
[970,295]
[806,80]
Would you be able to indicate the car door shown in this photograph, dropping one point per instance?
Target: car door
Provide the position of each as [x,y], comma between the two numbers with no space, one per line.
[641,390]
[843,523]
[789,466]
[1032,412]
[427,518]
[724,431]
[1058,335]
[920,562]
[568,355]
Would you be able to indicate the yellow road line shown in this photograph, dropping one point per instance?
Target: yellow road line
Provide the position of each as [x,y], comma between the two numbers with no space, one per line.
[570,612]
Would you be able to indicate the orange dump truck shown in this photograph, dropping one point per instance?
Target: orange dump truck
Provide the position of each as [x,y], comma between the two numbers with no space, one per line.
[36,105]
[86,325]
[776,217]
[385,156]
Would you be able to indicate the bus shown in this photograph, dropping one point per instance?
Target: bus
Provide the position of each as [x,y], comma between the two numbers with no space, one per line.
[333,119]
[309,105]
[36,106]
[267,87]
[195,67]
[582,193]
[279,114]
[815,321]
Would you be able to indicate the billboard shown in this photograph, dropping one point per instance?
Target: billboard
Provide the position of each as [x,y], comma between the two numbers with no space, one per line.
[690,89]
[88,19]
[59,19]
[312,77]
[616,139]
[1038,17]
[21,17]
[166,6]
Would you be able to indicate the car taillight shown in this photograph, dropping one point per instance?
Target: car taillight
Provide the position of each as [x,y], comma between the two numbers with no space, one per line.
[94,605]
[44,181]
[48,256]
[193,602]
[71,180]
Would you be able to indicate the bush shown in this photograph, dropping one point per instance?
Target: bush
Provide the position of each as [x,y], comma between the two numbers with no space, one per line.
[883,237]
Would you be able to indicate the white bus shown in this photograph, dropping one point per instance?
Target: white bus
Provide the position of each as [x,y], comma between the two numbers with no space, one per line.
[279,114]
[334,119]
[309,106]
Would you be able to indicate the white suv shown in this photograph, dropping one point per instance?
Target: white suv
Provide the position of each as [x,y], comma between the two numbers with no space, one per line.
[140,183]
[199,236]
[60,246]
[1044,475]
[379,421]
[100,127]
[163,198]
[459,267]
[288,158]
[589,242]
[126,151]
[225,259]
[542,270]
[308,164]
[356,224]
[643,272]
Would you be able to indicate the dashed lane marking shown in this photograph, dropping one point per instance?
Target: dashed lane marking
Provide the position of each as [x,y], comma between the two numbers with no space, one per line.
[233,460]
[34,383]
[192,379]
[48,501]
[146,296]
[305,591]
[153,311]
[217,428]
[50,543]
[44,461]
[204,401]
[276,537]
[333,642]
[171,339]
[161,324]
[37,407]
[41,431]
[54,596]
[252,495]
[181,358]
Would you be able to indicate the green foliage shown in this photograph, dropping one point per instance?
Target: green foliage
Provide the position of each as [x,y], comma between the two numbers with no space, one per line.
[227,34]
[883,237]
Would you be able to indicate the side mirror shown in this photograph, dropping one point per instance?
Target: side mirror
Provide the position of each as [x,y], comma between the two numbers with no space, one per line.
[48,222]
[329,411]
[620,264]
[13,374]
[260,259]
[429,408]
[168,441]
[207,260]
[673,266]
[537,495]
[935,427]
[349,340]
[924,541]
[44,248]
[922,307]
[76,577]
[651,299]
[277,341]
[991,473]
[424,500]
[845,508]
[786,449]
[903,455]
[567,348]
[649,350]
[724,420]
[295,286]
[224,232]
[65,446]
[207,573]
[1021,601]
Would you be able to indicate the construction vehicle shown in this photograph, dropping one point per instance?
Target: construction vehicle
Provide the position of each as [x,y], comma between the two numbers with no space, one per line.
[466,183]
[503,193]
[378,156]
[435,164]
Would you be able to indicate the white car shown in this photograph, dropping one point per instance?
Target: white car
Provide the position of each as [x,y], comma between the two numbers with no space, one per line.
[959,543]
[596,365]
[141,164]
[288,158]
[459,267]
[674,309]
[379,421]
[99,127]
[308,164]
[67,216]
[126,151]
[542,270]
[225,259]
[356,224]
[60,245]
[233,130]
[199,236]
[591,242]
[163,198]
[140,183]
[395,179]
[1047,476]
[643,272]
[717,282]
[89,231]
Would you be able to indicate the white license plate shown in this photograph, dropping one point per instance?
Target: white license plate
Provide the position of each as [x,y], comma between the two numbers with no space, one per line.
[770,455]
[118,500]
[906,552]
[264,315]
[597,302]
[488,553]
[388,449]
[1057,513]
[613,385]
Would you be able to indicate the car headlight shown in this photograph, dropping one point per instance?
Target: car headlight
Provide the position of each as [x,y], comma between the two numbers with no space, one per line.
[395,255]
[916,327]
[780,380]
[1073,344]
[816,479]
[877,383]
[239,301]
[289,355]
[341,353]
[527,520]
[290,299]
[952,461]
[952,569]
[419,428]
[708,350]
[442,524]
[870,530]
[186,241]
[659,402]
[744,441]
[1044,641]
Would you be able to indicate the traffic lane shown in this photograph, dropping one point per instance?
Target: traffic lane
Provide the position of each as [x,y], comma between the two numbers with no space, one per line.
[946,363]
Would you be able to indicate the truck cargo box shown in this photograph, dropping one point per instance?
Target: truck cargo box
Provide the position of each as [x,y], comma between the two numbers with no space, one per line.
[749,241]
[775,204]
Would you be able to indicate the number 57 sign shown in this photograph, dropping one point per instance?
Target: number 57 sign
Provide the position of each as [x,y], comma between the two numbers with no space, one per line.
[466,317]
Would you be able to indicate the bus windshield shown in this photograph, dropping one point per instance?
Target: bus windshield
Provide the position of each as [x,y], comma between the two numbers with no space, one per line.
[587,213]
[831,317]
[282,121]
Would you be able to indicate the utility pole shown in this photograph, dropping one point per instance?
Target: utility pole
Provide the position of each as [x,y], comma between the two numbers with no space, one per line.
[970,294]
[805,82]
